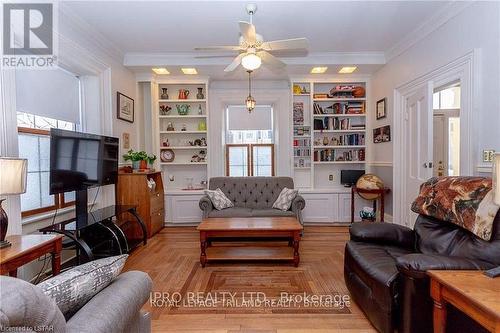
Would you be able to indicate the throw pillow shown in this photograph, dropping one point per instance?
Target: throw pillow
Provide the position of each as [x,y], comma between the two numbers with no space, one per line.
[285,199]
[219,199]
[75,287]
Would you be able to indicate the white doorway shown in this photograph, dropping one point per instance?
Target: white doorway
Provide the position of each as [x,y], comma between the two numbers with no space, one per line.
[446,128]
[415,141]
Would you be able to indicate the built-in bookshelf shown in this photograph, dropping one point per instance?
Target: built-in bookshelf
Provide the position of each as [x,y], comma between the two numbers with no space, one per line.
[329,131]
[183,133]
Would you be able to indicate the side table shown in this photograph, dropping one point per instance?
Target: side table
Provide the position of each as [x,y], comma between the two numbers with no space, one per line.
[26,248]
[380,192]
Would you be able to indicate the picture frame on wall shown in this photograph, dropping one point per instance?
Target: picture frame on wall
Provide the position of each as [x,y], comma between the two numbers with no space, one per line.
[382,134]
[381,108]
[125,107]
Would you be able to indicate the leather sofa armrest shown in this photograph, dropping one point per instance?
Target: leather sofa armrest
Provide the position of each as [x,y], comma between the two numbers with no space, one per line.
[383,233]
[417,264]
[206,205]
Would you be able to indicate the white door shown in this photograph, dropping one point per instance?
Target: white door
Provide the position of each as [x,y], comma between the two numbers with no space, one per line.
[418,144]
[440,146]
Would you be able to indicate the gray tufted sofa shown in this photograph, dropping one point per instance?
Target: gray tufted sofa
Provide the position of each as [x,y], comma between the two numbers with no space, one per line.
[252,197]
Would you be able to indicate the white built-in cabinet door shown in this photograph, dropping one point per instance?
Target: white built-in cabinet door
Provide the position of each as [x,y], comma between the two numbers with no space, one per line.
[183,209]
[345,207]
[321,207]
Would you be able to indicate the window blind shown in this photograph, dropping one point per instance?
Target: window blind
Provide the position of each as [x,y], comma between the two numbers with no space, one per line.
[48,93]
[239,119]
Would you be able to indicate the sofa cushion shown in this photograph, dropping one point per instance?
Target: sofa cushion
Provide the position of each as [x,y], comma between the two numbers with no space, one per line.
[271,213]
[284,200]
[219,199]
[75,287]
[231,212]
[251,192]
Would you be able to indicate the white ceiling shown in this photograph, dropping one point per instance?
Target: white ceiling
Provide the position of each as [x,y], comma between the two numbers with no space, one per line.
[140,28]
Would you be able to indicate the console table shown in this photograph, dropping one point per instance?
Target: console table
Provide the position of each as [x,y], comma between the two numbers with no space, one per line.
[471,292]
[26,248]
[100,224]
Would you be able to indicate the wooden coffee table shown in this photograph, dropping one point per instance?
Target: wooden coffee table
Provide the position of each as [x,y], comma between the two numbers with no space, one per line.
[250,228]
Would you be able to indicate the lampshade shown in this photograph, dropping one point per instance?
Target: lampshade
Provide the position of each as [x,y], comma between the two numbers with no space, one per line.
[496,178]
[251,61]
[13,173]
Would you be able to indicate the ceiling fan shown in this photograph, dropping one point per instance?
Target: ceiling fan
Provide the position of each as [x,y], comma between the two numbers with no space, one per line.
[253,50]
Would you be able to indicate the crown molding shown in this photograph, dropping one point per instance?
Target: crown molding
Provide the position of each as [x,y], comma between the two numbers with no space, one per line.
[74,28]
[189,59]
[439,18]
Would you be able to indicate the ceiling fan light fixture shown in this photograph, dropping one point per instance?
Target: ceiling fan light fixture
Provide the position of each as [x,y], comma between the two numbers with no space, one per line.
[251,62]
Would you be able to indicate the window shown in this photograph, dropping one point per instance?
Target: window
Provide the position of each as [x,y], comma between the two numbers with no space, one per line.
[249,141]
[448,98]
[34,145]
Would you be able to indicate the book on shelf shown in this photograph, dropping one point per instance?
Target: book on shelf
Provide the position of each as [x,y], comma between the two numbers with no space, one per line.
[302,152]
[302,163]
[302,142]
[301,130]
[320,95]
[332,155]
[298,113]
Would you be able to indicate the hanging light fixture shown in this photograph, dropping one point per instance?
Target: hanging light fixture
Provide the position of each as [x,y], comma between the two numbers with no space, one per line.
[250,101]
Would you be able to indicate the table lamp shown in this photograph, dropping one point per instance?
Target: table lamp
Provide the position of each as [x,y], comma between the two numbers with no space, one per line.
[496,178]
[13,173]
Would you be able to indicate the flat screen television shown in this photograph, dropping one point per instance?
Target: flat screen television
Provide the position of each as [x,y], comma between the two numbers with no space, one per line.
[79,161]
[349,178]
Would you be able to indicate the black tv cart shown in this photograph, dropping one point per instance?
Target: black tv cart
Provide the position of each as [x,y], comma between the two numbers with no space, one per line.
[99,235]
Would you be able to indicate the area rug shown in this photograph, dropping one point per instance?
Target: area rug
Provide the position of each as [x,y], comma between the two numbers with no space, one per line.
[258,289]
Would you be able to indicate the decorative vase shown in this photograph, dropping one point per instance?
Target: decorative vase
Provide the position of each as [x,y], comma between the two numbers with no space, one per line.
[326,141]
[202,126]
[182,109]
[183,93]
[143,164]
[164,93]
[200,95]
[135,165]
[200,110]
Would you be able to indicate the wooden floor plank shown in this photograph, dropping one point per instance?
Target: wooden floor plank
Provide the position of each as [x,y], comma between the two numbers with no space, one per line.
[171,259]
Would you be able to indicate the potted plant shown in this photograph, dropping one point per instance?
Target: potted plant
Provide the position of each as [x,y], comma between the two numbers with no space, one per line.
[151,160]
[138,159]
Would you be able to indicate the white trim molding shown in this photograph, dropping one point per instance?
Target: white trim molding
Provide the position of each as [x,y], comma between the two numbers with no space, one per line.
[466,70]
[380,164]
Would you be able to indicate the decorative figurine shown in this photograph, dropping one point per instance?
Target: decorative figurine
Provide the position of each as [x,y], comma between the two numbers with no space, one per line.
[200,95]
[164,93]
[166,143]
[184,127]
[200,110]
[170,127]
[203,142]
[326,141]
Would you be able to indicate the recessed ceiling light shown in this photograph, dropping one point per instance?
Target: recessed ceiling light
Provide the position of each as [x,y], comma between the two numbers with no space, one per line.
[318,70]
[189,71]
[160,70]
[347,69]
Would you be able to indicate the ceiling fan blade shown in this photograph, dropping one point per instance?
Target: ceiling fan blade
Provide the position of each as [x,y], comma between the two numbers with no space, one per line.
[236,62]
[219,48]
[285,44]
[269,59]
[248,32]
[215,56]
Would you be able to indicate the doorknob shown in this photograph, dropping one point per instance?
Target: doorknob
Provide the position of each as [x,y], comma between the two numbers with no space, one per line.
[425,165]
[430,164]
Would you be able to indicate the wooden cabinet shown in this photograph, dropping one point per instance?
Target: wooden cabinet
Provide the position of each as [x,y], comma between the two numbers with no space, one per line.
[132,189]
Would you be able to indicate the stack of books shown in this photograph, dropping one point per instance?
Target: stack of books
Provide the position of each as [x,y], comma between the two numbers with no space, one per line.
[355,108]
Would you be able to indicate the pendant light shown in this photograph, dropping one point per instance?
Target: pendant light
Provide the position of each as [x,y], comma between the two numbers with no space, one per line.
[250,101]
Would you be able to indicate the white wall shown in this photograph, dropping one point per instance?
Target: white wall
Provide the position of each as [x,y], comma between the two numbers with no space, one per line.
[476,27]
[275,93]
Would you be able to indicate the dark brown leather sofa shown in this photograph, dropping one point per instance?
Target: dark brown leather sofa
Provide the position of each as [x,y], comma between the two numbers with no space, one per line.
[385,270]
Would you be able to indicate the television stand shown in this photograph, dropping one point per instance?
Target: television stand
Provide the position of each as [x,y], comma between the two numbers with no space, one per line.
[99,223]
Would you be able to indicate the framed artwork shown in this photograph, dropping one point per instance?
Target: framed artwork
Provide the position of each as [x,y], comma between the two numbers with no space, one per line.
[381,108]
[382,134]
[125,107]
[126,140]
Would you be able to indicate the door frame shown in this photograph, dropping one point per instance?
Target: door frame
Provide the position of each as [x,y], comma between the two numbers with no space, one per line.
[465,70]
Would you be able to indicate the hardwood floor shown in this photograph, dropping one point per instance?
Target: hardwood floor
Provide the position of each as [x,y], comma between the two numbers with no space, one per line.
[171,258]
